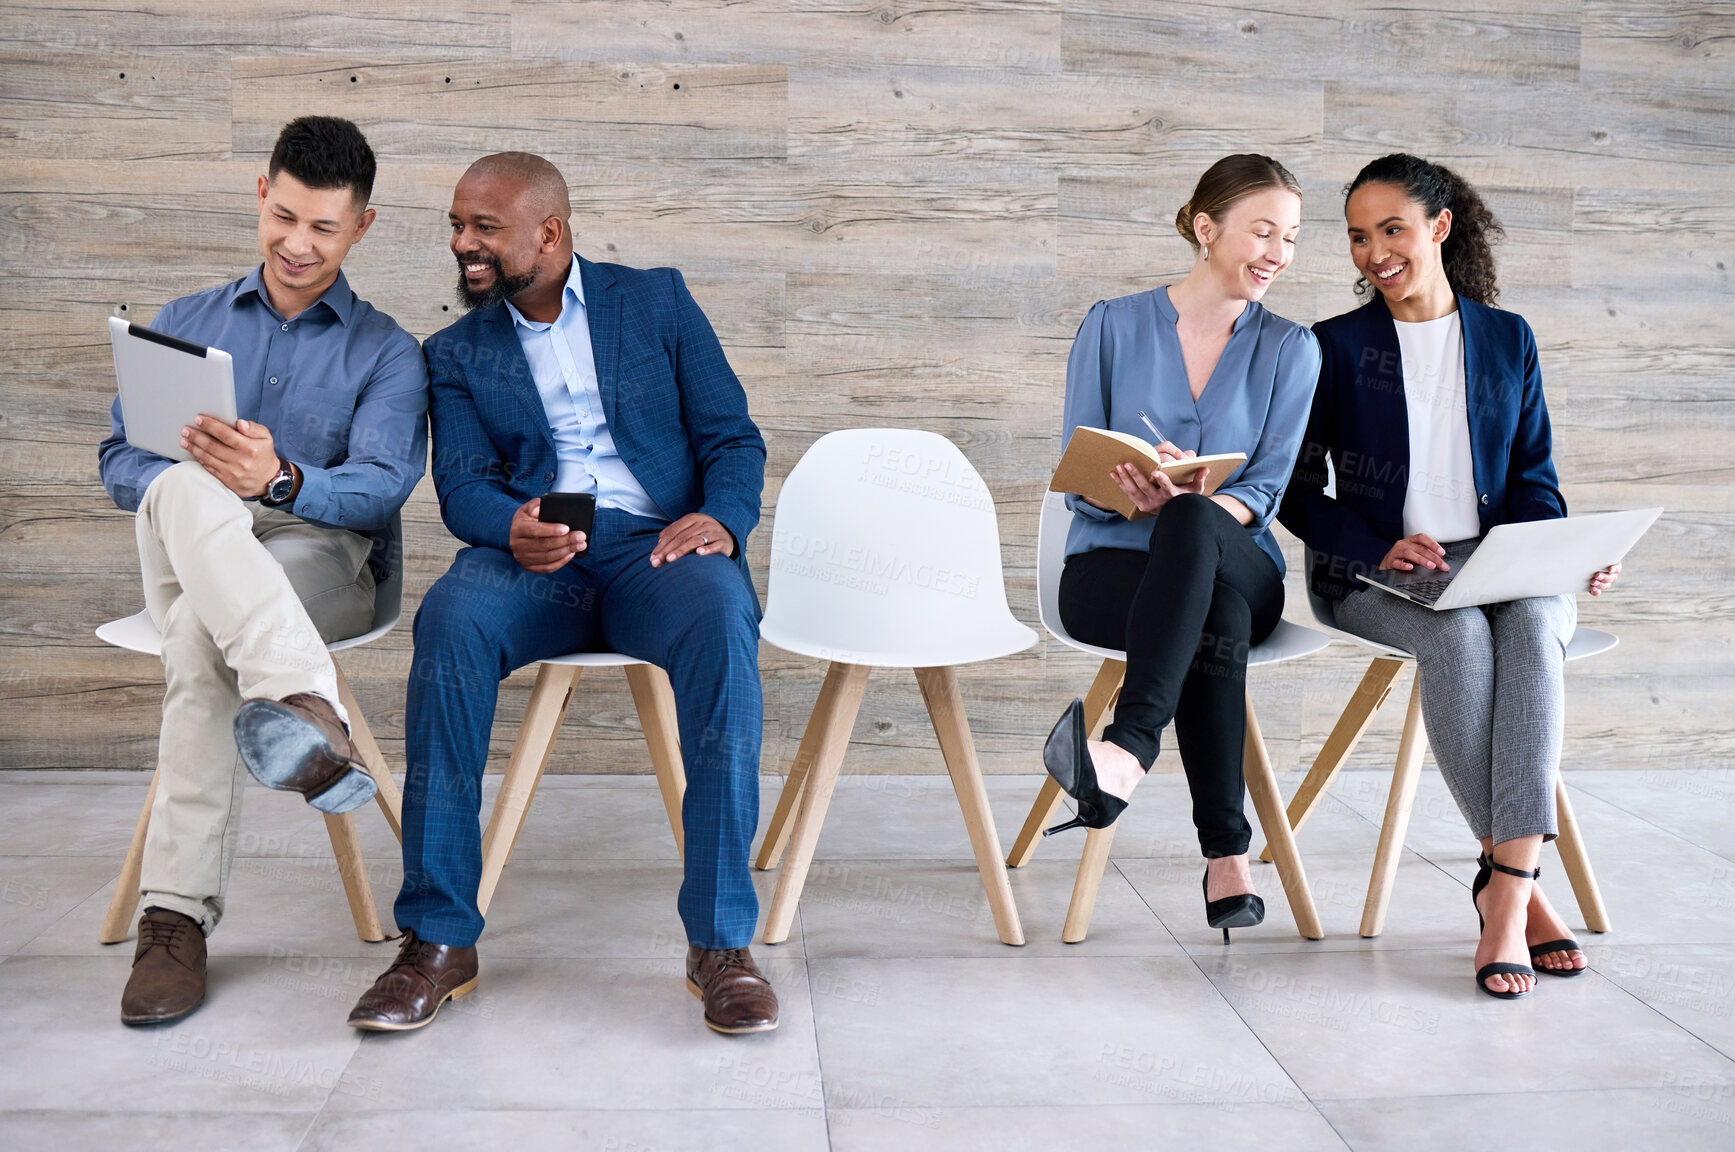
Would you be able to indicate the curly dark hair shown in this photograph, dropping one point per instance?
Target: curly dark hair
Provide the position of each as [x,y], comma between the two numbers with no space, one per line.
[1468,253]
[325,152]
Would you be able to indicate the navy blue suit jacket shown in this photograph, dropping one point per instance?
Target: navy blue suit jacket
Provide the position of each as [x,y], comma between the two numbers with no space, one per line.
[677,412]
[1360,424]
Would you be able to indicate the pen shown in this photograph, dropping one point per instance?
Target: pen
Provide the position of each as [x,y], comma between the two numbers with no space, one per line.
[1160,437]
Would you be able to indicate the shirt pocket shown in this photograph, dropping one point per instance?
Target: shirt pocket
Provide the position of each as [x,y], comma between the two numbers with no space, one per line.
[317,424]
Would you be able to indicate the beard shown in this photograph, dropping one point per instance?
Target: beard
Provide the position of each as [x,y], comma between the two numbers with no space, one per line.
[502,287]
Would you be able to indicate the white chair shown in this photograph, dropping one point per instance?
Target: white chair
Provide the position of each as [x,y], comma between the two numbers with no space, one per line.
[1376,685]
[885,553]
[556,678]
[136,633]
[1287,642]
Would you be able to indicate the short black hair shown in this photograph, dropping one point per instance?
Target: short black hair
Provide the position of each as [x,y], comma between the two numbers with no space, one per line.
[325,152]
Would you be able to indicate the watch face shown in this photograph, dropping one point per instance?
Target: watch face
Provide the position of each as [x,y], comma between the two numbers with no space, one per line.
[279,489]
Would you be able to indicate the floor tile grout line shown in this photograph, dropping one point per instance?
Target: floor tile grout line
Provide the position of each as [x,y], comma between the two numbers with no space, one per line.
[813,1015]
[75,906]
[1652,823]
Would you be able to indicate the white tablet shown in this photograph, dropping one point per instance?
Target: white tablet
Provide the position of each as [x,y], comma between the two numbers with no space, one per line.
[164,383]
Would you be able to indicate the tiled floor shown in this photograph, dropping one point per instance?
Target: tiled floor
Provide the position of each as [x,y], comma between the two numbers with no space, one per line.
[906,1025]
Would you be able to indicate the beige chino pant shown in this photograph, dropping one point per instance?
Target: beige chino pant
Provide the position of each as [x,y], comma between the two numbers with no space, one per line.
[246,598]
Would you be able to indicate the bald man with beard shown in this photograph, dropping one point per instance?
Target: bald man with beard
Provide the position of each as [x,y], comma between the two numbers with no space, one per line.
[573,377]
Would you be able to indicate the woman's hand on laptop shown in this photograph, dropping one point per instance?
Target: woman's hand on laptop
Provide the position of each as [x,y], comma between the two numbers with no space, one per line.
[244,457]
[1601,582]
[1420,549]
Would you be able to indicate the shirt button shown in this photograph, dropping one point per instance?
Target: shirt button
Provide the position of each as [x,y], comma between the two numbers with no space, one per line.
[1484,498]
[548,476]
[286,327]
[274,379]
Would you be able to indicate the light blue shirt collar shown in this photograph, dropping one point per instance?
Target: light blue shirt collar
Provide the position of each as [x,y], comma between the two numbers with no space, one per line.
[574,293]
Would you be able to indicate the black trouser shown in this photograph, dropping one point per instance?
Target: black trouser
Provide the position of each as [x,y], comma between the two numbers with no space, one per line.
[1186,613]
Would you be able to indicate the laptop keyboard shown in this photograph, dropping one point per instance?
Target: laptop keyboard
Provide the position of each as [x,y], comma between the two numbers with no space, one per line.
[1429,590]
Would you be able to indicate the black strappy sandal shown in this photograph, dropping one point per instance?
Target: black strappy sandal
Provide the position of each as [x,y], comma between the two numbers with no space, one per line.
[1484,875]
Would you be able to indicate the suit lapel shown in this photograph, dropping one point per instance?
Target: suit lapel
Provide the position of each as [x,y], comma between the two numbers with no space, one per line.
[602,309]
[512,370]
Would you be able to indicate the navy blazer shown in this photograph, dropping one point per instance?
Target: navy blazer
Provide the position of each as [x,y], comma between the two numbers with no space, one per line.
[1360,424]
[677,412]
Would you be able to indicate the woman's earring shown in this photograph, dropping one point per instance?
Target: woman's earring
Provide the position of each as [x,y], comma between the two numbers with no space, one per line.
[1204,252]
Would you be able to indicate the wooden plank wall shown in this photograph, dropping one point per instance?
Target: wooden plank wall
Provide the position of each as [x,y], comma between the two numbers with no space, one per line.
[896,214]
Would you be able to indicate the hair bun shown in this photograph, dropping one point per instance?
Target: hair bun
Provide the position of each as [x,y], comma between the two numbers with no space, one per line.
[1184,223]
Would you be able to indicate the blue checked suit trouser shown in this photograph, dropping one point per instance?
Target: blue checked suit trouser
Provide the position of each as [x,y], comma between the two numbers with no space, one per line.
[696,618]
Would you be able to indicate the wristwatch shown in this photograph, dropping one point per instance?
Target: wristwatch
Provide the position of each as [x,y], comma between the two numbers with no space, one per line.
[281,487]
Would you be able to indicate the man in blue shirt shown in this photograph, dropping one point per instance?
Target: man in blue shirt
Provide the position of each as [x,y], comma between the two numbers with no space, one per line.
[569,376]
[267,543]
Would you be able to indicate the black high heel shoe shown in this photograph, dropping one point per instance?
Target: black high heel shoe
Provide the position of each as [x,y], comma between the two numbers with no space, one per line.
[1066,755]
[1484,874]
[1243,910]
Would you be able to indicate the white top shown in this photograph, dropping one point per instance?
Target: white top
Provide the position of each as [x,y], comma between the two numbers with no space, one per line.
[564,368]
[1441,499]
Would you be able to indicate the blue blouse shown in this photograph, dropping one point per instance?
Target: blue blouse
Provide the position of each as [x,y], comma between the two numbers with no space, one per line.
[1127,356]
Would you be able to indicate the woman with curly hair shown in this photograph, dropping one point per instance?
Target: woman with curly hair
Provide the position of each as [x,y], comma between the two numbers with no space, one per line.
[1430,413]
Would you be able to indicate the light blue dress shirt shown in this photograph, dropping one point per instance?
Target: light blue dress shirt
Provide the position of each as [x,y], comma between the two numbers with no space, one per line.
[1127,356]
[564,368]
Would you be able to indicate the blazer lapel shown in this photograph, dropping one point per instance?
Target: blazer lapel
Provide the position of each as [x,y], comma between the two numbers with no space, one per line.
[512,370]
[1481,395]
[602,309]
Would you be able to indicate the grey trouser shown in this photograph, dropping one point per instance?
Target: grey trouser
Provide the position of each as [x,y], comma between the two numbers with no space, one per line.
[1493,698]
[246,598]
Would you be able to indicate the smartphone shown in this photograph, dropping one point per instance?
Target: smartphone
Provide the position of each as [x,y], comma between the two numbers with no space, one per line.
[576,510]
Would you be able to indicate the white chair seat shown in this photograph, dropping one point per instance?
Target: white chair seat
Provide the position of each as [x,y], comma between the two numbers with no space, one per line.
[976,641]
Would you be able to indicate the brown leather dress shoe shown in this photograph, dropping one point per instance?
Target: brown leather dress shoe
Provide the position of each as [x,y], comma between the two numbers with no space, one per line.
[409,993]
[738,998]
[297,744]
[168,978]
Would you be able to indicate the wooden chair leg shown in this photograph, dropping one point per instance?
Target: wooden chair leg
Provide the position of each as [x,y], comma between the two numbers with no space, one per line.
[1091,865]
[1041,816]
[1397,820]
[951,724]
[542,717]
[782,817]
[655,700]
[1103,692]
[118,923]
[1268,803]
[390,799]
[833,717]
[1358,714]
[1576,861]
[352,869]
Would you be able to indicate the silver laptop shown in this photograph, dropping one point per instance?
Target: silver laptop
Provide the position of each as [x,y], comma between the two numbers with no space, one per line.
[165,382]
[1516,561]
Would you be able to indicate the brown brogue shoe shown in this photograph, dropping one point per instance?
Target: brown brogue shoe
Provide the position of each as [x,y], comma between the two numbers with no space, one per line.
[297,744]
[409,993]
[738,998]
[168,977]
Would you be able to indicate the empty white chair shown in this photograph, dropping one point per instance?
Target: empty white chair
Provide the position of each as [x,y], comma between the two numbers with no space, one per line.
[136,633]
[1376,685]
[885,552]
[1287,642]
